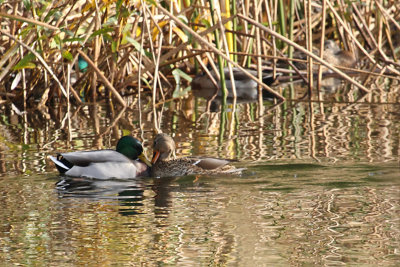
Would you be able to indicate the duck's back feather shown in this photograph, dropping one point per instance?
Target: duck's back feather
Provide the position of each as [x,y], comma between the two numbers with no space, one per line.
[84,158]
[209,163]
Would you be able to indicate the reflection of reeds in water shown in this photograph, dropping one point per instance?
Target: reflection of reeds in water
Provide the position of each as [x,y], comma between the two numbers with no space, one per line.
[325,131]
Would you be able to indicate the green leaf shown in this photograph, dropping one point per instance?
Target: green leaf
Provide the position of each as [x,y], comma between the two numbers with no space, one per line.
[124,12]
[26,62]
[67,55]
[138,47]
[111,21]
[107,37]
[68,32]
[27,4]
[124,41]
[42,38]
[182,74]
[101,32]
[58,41]
[25,31]
[127,28]
[154,3]
[113,46]
[178,74]
[77,39]
[53,14]
[119,4]
[206,22]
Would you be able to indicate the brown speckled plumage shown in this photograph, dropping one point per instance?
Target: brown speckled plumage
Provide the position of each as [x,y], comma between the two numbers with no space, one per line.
[335,56]
[332,54]
[164,166]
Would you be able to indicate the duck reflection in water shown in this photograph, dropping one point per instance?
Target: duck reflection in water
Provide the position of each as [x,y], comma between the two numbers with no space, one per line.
[130,194]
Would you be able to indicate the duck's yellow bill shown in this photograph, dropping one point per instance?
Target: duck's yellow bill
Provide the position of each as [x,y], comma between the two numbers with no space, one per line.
[143,158]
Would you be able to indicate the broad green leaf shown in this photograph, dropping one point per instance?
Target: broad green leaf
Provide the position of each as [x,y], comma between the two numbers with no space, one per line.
[54,14]
[26,62]
[124,41]
[181,34]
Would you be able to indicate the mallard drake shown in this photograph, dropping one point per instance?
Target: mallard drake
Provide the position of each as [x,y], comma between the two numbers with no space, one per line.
[107,163]
[165,166]
[246,88]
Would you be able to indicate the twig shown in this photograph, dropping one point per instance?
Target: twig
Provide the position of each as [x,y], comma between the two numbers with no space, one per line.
[39,57]
[105,80]
[277,35]
[215,50]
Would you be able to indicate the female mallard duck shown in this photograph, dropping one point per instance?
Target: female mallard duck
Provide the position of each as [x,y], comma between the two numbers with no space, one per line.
[164,166]
[332,54]
[336,56]
[106,163]
[246,88]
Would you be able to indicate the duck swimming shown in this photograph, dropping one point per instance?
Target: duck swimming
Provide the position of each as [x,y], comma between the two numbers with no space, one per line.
[246,88]
[335,56]
[107,163]
[332,54]
[165,166]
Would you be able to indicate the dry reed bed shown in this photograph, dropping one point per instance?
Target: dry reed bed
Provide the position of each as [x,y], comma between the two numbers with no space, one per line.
[143,44]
